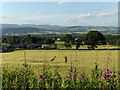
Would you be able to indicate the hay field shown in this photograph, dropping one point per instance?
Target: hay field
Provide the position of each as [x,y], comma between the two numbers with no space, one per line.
[84,59]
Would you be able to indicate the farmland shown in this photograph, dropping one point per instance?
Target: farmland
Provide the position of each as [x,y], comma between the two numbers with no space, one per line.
[84,59]
[41,71]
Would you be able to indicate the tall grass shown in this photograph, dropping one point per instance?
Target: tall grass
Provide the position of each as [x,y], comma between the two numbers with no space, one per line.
[26,78]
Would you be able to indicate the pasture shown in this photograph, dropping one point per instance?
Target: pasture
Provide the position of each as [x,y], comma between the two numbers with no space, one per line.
[84,60]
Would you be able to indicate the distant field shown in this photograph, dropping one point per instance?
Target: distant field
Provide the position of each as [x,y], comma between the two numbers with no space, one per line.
[85,59]
[61,46]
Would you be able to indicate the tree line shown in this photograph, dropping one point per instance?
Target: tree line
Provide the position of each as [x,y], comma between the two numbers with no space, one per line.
[92,39]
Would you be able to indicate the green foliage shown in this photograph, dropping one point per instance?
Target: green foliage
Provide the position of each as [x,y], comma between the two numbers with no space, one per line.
[26,78]
[96,77]
[49,41]
[78,42]
[67,45]
[67,38]
[94,38]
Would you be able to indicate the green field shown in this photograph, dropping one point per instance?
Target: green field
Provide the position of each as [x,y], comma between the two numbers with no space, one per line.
[83,59]
[60,45]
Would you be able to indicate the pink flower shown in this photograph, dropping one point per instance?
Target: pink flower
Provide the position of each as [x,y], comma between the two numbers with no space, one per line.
[111,78]
[103,79]
[105,72]
[111,74]
[74,77]
[40,78]
[73,73]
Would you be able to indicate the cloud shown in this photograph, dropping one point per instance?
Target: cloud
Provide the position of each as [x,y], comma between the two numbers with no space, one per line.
[35,19]
[84,15]
[62,1]
[107,13]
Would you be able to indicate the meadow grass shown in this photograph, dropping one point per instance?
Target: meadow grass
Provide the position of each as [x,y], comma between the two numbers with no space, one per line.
[60,69]
[60,45]
[83,59]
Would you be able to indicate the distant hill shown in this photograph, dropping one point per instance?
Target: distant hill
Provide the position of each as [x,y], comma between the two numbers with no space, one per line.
[30,28]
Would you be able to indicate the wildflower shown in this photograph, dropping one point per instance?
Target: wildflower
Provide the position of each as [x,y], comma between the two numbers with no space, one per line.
[111,78]
[43,80]
[40,78]
[103,79]
[107,69]
[107,73]
[110,72]
[73,73]
[74,77]
[104,76]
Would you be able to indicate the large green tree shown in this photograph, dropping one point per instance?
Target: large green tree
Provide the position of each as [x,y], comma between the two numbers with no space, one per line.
[94,38]
[78,42]
[49,41]
[68,39]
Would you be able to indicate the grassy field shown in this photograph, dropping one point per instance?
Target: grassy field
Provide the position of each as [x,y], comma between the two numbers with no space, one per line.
[61,46]
[83,59]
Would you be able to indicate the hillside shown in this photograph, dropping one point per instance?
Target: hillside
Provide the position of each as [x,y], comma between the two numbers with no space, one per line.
[8,29]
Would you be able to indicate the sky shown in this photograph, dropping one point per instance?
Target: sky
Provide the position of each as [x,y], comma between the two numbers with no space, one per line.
[61,13]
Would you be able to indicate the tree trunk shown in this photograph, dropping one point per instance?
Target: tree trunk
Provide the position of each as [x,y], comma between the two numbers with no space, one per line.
[92,47]
[76,47]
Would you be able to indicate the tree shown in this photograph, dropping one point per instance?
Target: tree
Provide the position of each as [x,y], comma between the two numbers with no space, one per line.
[67,38]
[94,38]
[28,39]
[118,42]
[16,40]
[78,42]
[49,41]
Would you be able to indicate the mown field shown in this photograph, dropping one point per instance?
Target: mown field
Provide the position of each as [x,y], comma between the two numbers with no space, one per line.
[84,60]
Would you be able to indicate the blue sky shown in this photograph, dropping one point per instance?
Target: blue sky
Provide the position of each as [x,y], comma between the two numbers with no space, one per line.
[61,13]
